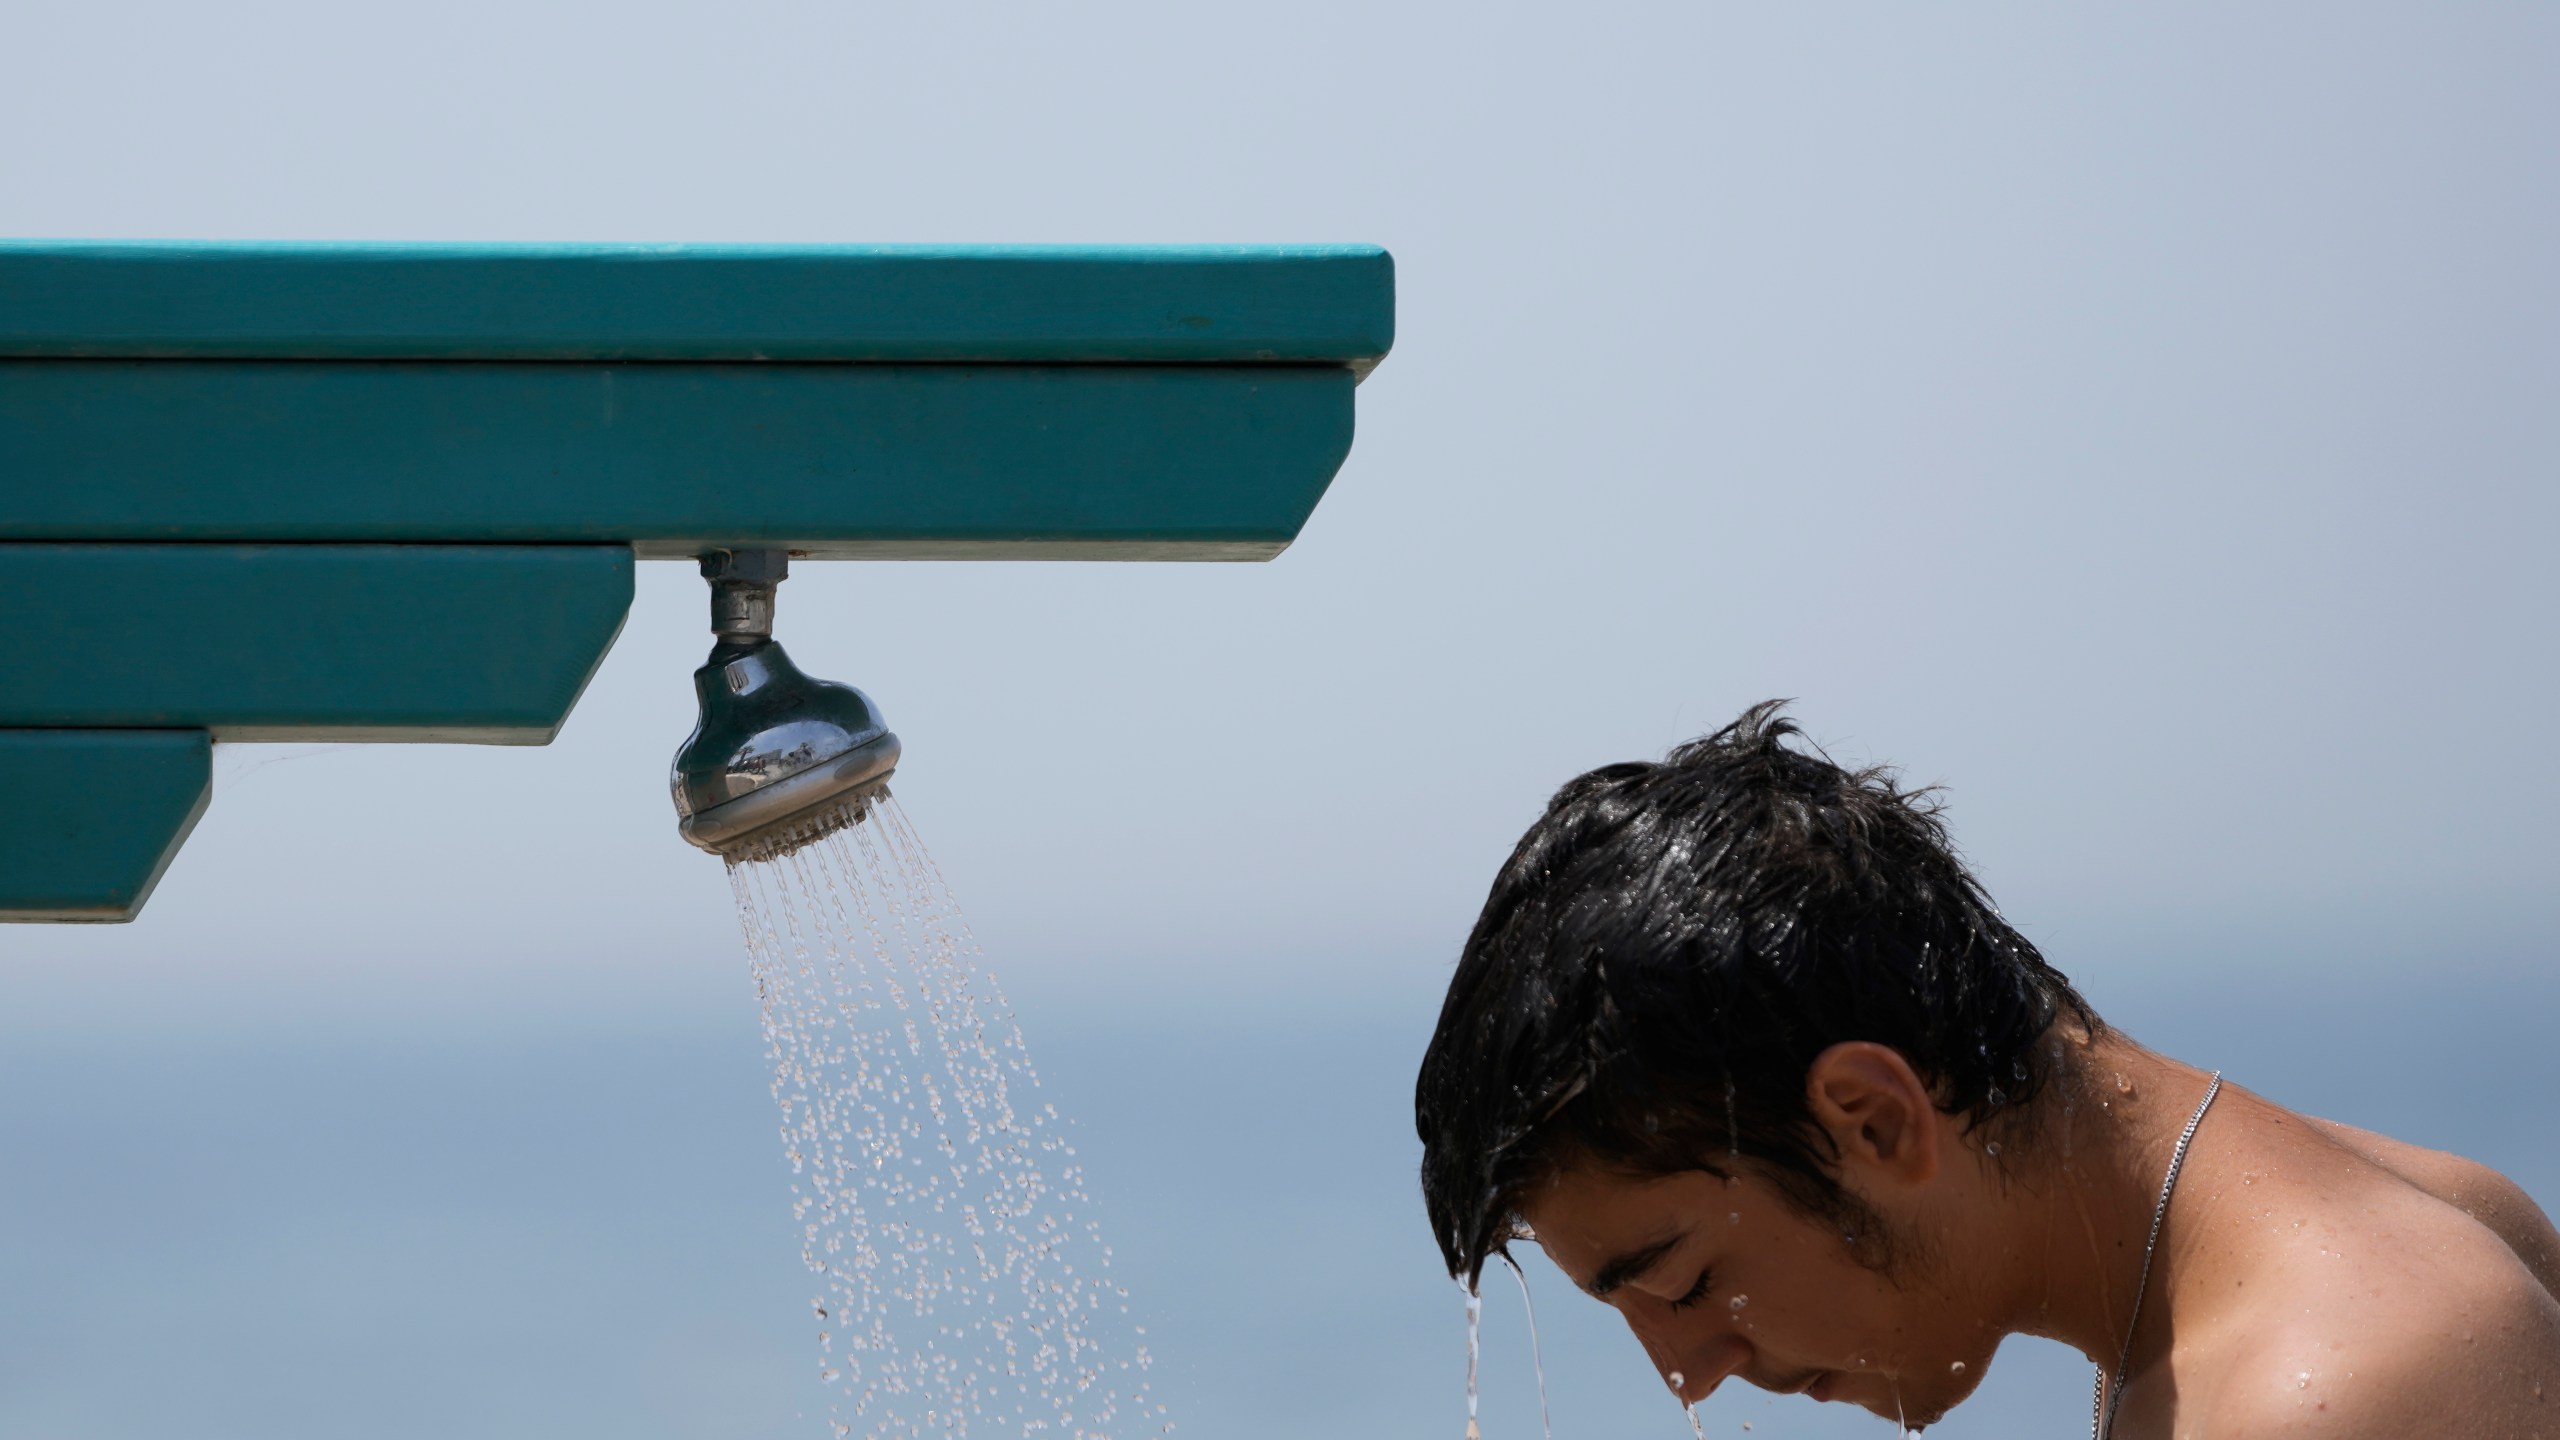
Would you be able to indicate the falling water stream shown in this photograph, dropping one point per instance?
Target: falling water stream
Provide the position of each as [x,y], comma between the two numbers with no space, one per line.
[1537,1349]
[963,1287]
[1475,1348]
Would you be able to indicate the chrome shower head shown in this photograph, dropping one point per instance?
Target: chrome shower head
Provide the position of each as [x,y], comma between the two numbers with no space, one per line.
[777,759]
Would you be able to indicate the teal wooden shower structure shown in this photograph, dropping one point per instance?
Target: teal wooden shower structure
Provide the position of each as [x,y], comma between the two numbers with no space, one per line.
[395,492]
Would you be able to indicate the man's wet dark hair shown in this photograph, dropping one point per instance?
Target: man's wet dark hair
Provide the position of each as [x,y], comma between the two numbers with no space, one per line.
[1671,945]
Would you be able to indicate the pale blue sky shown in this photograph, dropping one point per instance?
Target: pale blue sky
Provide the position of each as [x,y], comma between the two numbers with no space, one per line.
[2141,422]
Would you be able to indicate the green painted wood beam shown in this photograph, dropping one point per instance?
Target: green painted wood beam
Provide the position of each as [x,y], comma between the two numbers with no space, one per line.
[266,491]
[835,461]
[489,644]
[95,817]
[1332,304]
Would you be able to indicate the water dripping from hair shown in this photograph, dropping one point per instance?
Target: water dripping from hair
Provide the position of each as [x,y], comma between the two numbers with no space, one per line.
[1475,1330]
[2068,1082]
[1537,1356]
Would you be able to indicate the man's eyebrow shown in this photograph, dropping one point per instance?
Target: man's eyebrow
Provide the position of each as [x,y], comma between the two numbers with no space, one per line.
[1632,1264]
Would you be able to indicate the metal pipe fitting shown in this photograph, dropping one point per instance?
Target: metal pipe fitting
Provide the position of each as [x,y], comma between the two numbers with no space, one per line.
[742,592]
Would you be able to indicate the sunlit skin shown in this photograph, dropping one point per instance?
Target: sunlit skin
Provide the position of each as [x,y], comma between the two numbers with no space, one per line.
[2311,1279]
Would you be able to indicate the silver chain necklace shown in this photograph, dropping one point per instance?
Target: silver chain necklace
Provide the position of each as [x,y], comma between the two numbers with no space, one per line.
[2106,1399]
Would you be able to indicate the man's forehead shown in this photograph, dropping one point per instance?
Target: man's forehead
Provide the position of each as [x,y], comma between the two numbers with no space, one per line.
[1586,1196]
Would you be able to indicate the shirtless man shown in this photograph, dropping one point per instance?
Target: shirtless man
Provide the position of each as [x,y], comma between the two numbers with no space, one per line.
[1743,1047]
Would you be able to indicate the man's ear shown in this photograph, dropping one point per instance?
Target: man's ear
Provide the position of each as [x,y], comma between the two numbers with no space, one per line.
[1876,1108]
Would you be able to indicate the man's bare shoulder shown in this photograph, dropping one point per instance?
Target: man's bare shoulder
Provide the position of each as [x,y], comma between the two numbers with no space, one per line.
[2485,1195]
[2415,1321]
[2484,1369]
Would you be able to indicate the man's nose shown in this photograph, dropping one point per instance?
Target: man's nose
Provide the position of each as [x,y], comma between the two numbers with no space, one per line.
[1690,1360]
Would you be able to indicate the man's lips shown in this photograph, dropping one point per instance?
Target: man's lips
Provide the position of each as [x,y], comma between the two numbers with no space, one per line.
[1828,1386]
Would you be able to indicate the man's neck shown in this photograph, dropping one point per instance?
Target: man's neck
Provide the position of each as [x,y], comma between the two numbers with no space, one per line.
[2064,1253]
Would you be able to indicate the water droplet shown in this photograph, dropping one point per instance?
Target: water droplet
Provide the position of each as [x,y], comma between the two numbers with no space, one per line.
[1956,1369]
[1737,1302]
[1992,1149]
